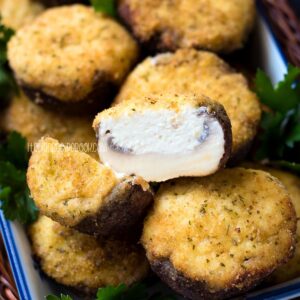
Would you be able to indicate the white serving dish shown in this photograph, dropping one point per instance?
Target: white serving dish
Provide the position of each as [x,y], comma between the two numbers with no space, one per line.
[32,285]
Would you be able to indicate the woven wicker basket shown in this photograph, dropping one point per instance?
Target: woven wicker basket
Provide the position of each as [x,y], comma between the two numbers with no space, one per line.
[287,28]
[8,289]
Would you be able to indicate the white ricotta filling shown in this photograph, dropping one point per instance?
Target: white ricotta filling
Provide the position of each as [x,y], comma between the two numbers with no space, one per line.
[160,145]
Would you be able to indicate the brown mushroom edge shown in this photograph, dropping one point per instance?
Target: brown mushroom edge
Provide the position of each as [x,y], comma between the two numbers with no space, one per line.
[198,289]
[80,290]
[155,43]
[220,114]
[162,40]
[98,99]
[240,154]
[52,3]
[122,214]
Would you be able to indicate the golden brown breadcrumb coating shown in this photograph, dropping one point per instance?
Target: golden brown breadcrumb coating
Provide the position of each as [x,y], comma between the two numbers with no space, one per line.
[201,73]
[69,51]
[223,233]
[77,191]
[34,122]
[80,261]
[67,185]
[291,269]
[17,13]
[216,25]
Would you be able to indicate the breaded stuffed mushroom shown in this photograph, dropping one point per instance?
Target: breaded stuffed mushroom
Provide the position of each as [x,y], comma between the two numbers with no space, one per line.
[291,269]
[77,191]
[216,25]
[80,261]
[72,58]
[219,236]
[200,73]
[164,136]
[17,13]
[34,122]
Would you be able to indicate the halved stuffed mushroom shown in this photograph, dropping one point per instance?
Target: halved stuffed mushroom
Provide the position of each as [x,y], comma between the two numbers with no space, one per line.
[77,191]
[164,136]
[219,236]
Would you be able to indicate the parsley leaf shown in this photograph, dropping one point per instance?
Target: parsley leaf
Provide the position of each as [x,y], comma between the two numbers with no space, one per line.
[279,138]
[7,82]
[122,292]
[15,199]
[284,96]
[106,6]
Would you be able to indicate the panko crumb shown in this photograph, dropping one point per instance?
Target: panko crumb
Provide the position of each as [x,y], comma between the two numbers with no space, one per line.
[80,261]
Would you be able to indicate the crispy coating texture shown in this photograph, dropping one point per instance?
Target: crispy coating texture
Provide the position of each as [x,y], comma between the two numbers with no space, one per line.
[215,25]
[220,235]
[123,211]
[80,261]
[67,185]
[34,122]
[201,73]
[17,13]
[69,51]
[162,101]
[291,269]
[77,191]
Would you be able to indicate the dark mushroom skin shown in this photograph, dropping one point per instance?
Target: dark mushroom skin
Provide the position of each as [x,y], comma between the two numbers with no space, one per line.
[52,3]
[122,213]
[150,46]
[195,290]
[100,98]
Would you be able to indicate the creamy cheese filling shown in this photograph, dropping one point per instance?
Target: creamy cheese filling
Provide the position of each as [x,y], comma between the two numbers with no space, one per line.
[162,144]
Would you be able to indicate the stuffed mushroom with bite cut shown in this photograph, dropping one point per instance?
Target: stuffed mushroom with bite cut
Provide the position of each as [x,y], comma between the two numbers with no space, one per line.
[75,190]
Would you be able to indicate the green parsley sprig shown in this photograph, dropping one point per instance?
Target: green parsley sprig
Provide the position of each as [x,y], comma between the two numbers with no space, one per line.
[279,139]
[7,82]
[122,292]
[106,6]
[15,200]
